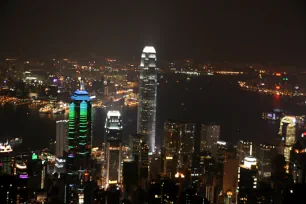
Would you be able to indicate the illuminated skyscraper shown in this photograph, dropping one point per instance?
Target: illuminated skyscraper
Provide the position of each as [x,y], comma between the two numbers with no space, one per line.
[243,149]
[5,158]
[287,131]
[80,132]
[179,140]
[147,96]
[247,179]
[113,131]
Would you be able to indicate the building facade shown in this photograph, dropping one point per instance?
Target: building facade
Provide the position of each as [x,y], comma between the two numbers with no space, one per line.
[80,132]
[179,140]
[210,134]
[146,121]
[113,132]
[61,137]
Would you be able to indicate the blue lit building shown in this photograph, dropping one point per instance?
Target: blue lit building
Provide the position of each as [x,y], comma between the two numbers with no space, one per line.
[80,131]
[79,137]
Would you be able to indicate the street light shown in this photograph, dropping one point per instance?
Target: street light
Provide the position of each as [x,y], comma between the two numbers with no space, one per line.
[179,175]
[229,196]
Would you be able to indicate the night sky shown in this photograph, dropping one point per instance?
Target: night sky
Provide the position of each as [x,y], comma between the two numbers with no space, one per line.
[234,30]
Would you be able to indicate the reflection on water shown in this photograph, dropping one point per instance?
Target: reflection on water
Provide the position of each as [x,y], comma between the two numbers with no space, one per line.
[276,101]
[204,100]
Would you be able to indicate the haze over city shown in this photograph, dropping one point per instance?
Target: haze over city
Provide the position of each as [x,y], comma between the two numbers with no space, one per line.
[241,31]
[139,102]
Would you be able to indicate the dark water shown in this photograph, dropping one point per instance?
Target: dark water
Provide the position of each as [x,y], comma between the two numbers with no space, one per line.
[219,99]
[202,99]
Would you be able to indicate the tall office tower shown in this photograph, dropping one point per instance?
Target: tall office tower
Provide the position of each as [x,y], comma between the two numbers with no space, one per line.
[5,158]
[298,161]
[170,166]
[155,167]
[80,132]
[247,180]
[265,153]
[113,132]
[172,136]
[287,131]
[8,188]
[179,140]
[210,134]
[230,176]
[129,177]
[202,166]
[144,165]
[243,150]
[135,141]
[61,137]
[146,120]
[187,139]
[20,169]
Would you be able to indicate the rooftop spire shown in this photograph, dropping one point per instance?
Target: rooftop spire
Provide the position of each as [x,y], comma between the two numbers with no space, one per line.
[82,88]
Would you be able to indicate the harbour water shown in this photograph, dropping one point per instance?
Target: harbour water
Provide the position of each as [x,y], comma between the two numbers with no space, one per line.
[201,99]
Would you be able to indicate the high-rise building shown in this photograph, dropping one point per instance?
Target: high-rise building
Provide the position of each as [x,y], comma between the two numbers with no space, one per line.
[146,121]
[135,141]
[144,164]
[298,161]
[8,189]
[129,177]
[113,133]
[155,167]
[20,171]
[179,140]
[243,150]
[287,131]
[172,136]
[230,176]
[210,134]
[265,153]
[80,132]
[61,137]
[247,180]
[5,158]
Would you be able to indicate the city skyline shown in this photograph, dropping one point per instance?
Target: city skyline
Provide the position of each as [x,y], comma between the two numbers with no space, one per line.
[210,109]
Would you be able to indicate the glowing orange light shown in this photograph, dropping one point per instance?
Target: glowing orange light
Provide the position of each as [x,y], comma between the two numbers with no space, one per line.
[278,74]
[277,87]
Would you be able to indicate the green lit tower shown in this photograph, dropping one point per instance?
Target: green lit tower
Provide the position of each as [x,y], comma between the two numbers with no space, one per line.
[80,132]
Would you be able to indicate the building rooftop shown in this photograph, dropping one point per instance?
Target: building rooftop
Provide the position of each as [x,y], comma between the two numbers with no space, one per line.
[149,49]
[80,95]
[113,113]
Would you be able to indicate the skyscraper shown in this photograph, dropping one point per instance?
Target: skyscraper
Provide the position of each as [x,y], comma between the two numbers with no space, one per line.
[243,149]
[287,131]
[265,153]
[80,131]
[61,137]
[147,96]
[113,131]
[247,180]
[5,158]
[135,141]
[179,140]
[210,134]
